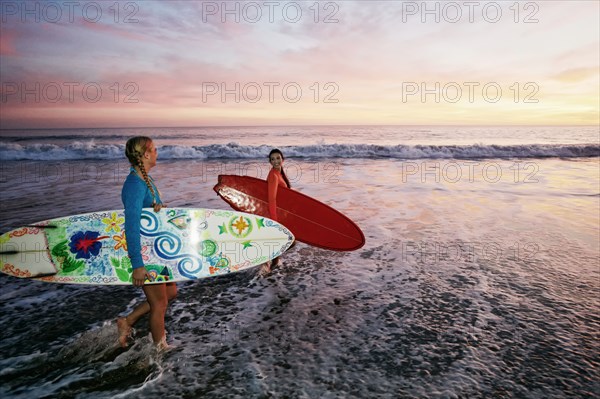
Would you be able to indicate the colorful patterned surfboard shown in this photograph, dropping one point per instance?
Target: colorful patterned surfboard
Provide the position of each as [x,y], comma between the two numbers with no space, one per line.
[178,244]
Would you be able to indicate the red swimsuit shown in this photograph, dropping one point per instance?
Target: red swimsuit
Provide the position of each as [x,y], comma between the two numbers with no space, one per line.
[274,180]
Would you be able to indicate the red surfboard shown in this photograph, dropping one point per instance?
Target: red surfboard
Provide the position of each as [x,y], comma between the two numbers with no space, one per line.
[311,221]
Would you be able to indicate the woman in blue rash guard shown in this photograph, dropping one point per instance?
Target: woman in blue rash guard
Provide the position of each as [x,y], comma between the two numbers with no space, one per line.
[139,191]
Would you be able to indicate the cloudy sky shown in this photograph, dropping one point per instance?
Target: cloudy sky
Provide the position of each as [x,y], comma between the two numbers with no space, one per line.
[199,63]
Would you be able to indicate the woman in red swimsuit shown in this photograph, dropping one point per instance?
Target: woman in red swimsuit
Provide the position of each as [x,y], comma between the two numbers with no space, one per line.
[276,179]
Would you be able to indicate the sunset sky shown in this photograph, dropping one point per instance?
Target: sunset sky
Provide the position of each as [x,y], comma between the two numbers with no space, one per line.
[151,63]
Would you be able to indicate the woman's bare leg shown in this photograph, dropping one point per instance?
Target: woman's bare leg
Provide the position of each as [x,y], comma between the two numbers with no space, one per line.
[124,324]
[156,294]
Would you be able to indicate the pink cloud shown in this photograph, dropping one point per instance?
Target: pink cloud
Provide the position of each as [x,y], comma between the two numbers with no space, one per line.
[7,47]
[112,29]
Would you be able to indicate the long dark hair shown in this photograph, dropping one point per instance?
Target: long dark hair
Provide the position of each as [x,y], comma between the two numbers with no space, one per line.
[277,151]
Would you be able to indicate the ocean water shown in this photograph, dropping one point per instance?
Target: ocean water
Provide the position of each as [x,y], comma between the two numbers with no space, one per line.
[480,277]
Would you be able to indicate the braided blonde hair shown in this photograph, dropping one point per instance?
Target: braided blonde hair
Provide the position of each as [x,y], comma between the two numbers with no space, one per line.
[135,148]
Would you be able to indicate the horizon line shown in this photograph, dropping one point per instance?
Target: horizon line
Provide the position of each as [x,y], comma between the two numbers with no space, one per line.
[304,125]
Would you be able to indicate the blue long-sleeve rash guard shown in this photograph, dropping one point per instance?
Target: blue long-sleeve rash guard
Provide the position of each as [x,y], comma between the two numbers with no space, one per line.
[135,196]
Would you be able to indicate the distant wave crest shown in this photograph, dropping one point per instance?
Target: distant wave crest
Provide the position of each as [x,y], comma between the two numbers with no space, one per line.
[89,150]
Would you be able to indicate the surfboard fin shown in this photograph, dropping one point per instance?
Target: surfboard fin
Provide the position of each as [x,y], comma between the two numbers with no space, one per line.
[26,263]
[43,275]
[12,271]
[17,252]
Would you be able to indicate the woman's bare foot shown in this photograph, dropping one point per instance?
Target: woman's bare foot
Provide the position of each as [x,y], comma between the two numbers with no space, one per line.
[265,269]
[275,262]
[124,330]
[162,345]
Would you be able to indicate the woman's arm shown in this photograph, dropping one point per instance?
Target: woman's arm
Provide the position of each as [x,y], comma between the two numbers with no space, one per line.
[133,201]
[273,182]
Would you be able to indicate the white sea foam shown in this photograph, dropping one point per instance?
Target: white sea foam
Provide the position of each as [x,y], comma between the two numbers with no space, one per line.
[89,150]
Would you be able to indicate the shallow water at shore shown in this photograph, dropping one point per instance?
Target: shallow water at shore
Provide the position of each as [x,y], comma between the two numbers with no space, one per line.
[475,287]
